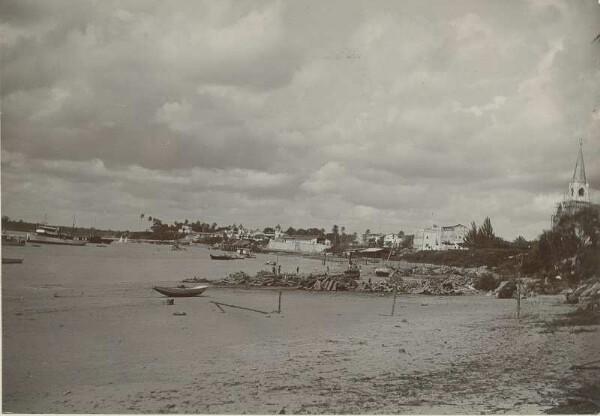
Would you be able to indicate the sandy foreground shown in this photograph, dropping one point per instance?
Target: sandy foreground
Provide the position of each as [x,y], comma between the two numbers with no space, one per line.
[116,348]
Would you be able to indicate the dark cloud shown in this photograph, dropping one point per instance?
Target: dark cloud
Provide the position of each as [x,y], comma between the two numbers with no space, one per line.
[393,113]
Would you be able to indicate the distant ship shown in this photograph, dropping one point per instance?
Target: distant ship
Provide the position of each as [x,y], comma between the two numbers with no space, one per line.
[51,235]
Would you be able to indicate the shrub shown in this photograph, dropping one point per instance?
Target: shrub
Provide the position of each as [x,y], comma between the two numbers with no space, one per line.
[485,282]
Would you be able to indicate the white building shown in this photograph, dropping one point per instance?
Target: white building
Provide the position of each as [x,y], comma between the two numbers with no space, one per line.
[371,239]
[297,244]
[440,238]
[392,240]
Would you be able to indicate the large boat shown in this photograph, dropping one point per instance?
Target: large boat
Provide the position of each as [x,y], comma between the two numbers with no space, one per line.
[45,234]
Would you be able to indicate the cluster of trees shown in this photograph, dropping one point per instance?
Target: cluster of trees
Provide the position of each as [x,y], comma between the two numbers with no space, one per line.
[157,225]
[571,249]
[484,237]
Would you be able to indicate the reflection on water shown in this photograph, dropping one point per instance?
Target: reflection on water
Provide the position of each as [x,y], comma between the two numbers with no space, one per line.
[132,262]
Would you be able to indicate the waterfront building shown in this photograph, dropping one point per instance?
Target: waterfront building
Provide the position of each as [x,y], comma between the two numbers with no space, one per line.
[440,238]
[392,240]
[297,243]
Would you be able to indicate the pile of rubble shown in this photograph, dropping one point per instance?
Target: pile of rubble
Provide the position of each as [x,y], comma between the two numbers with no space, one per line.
[310,282]
[433,270]
[587,295]
[428,283]
[446,286]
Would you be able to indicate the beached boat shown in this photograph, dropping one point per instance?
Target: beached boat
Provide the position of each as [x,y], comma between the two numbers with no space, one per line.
[52,235]
[352,273]
[11,240]
[178,292]
[224,257]
[8,260]
[383,271]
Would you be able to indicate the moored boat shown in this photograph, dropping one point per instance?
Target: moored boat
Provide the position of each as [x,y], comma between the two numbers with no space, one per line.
[11,240]
[383,271]
[96,239]
[224,257]
[51,235]
[8,260]
[178,292]
[352,273]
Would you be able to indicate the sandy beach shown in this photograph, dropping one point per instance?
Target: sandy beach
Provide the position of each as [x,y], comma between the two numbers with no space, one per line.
[114,347]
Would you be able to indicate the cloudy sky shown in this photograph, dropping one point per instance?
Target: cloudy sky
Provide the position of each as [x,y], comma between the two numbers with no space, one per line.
[370,114]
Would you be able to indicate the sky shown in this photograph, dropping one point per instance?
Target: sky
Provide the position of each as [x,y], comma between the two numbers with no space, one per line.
[366,114]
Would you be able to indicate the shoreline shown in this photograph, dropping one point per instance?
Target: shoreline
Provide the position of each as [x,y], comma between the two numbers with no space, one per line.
[124,351]
[92,336]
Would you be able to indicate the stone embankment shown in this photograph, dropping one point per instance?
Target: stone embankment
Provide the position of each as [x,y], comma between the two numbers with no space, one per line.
[422,279]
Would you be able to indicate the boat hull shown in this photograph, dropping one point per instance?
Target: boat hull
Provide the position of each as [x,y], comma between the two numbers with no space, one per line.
[13,241]
[43,239]
[225,257]
[383,272]
[11,261]
[175,292]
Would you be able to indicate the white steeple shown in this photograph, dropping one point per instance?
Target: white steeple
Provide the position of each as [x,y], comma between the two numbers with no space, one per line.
[579,189]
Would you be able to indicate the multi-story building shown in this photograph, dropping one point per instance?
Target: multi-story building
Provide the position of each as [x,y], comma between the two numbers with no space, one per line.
[440,238]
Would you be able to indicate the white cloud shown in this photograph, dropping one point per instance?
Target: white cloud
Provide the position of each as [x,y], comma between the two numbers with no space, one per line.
[277,112]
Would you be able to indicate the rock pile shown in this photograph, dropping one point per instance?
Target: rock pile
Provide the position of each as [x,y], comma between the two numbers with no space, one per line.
[418,280]
[445,286]
[433,270]
[310,282]
[587,294]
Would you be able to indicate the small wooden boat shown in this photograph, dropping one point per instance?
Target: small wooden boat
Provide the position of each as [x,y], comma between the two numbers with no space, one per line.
[11,240]
[352,273]
[8,260]
[383,271]
[224,257]
[177,292]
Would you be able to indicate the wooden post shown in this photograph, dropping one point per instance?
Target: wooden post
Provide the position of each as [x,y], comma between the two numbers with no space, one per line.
[394,303]
[519,289]
[279,303]
[219,304]
[518,297]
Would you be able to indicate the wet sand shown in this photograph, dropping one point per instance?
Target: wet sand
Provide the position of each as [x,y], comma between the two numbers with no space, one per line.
[115,348]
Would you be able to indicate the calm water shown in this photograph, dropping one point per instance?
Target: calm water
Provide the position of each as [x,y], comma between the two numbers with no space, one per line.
[133,262]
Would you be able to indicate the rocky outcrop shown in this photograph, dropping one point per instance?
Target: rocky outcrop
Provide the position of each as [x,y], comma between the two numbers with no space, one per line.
[586,294]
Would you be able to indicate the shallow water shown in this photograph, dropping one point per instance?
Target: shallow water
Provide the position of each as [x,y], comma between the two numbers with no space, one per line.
[138,262]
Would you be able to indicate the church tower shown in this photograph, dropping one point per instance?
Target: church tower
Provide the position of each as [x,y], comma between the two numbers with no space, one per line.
[578,196]
[579,189]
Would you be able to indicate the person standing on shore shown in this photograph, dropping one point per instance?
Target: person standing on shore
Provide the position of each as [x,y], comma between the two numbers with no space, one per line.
[279,272]
[298,270]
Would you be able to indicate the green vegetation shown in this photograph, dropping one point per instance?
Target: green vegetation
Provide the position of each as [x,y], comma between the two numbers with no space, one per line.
[484,237]
[505,259]
[570,249]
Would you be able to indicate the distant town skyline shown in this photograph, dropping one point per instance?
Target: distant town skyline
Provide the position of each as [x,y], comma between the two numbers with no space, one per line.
[382,115]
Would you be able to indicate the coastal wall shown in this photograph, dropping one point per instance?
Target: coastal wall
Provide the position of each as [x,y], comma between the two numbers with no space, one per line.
[296,246]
